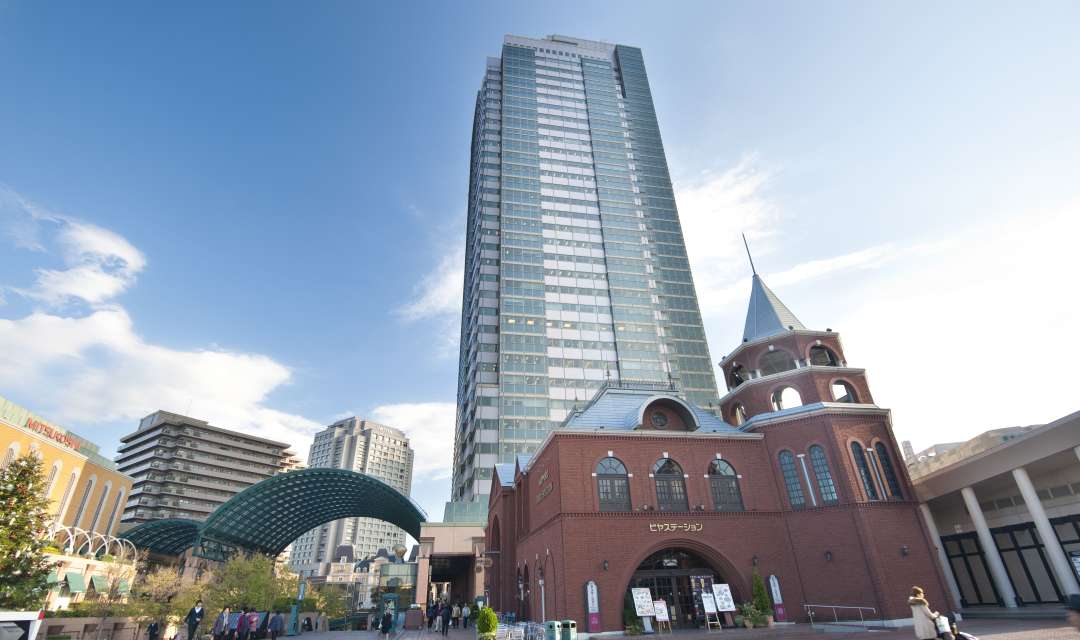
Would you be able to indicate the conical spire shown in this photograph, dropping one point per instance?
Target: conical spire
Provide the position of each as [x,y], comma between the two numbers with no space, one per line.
[767,316]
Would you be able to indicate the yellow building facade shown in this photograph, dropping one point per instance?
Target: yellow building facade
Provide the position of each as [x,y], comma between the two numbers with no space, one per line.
[85,489]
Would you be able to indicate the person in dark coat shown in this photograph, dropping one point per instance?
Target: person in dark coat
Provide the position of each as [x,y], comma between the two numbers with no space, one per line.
[242,625]
[387,622]
[153,629]
[447,615]
[193,619]
[276,625]
[221,625]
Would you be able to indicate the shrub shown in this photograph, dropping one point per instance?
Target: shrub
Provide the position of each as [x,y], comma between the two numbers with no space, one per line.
[760,595]
[629,613]
[487,621]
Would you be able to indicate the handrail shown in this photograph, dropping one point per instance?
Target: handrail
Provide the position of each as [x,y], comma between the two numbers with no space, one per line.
[809,608]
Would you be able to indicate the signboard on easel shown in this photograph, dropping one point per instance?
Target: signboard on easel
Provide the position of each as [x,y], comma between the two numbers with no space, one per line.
[660,612]
[643,606]
[723,598]
[712,618]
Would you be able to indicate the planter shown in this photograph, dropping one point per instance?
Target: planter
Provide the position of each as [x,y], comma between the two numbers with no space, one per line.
[770,621]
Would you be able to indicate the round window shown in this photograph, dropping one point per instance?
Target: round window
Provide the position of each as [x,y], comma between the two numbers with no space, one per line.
[658,419]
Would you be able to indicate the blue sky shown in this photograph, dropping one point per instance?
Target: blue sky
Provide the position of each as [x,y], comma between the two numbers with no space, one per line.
[253,212]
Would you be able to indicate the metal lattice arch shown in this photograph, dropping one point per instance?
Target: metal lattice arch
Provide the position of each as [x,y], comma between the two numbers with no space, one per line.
[74,540]
[268,516]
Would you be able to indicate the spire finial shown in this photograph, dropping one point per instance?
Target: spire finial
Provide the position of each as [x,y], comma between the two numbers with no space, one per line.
[747,245]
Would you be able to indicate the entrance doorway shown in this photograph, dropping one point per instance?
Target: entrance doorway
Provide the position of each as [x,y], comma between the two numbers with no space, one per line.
[678,577]
[969,567]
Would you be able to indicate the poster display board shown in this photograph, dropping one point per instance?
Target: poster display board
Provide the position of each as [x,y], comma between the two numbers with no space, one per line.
[709,603]
[643,602]
[660,610]
[723,598]
[592,606]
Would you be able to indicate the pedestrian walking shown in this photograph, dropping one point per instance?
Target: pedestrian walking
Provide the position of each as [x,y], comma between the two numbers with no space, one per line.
[430,615]
[221,625]
[193,618]
[465,611]
[242,625]
[456,614]
[924,620]
[276,625]
[253,624]
[446,613]
[152,630]
[387,622]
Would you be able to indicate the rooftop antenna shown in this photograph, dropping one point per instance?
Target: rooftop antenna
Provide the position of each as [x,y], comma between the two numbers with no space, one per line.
[747,245]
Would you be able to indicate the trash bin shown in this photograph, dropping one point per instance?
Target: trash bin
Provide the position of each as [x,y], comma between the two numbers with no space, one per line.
[569,630]
[553,630]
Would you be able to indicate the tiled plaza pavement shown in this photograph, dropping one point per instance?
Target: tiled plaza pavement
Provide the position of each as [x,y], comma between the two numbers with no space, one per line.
[982,629]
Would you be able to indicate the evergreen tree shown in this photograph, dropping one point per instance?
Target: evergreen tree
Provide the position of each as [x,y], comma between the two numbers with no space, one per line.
[761,595]
[24,519]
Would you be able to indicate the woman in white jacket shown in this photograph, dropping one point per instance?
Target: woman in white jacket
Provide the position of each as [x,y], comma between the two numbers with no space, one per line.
[922,616]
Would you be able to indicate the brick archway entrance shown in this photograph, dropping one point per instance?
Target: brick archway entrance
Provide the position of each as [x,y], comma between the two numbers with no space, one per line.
[677,572]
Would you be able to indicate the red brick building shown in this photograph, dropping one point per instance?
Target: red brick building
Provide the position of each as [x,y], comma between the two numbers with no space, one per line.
[802,479]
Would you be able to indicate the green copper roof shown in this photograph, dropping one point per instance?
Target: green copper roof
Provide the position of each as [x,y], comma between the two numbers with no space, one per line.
[267,516]
[101,583]
[767,316]
[76,583]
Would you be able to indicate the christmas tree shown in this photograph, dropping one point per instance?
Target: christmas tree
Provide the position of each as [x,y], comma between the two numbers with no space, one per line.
[24,519]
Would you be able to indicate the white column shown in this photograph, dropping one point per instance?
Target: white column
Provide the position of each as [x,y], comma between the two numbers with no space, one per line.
[1062,569]
[935,538]
[990,550]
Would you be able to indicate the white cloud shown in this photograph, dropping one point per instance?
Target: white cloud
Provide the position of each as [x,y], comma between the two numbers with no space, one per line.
[430,427]
[437,298]
[439,291]
[94,368]
[975,335]
[716,209]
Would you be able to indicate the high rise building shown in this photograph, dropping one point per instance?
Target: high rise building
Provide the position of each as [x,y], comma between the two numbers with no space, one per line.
[368,447]
[186,468]
[576,270]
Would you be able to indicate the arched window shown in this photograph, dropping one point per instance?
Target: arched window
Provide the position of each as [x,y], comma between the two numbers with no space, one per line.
[67,495]
[843,392]
[724,485]
[613,485]
[791,480]
[739,414]
[85,498]
[10,455]
[739,375]
[864,470]
[826,486]
[51,482]
[888,470]
[786,398]
[111,522]
[670,486]
[776,362]
[100,505]
[823,357]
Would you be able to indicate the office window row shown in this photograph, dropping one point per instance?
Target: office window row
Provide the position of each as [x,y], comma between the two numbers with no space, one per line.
[669,481]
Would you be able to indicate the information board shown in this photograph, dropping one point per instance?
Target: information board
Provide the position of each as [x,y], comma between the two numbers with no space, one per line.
[660,610]
[709,603]
[643,602]
[723,598]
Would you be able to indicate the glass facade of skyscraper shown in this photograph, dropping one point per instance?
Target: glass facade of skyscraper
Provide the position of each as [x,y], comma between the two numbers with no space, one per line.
[576,271]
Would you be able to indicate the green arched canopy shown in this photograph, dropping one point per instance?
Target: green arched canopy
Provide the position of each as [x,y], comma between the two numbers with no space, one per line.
[170,536]
[266,517]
